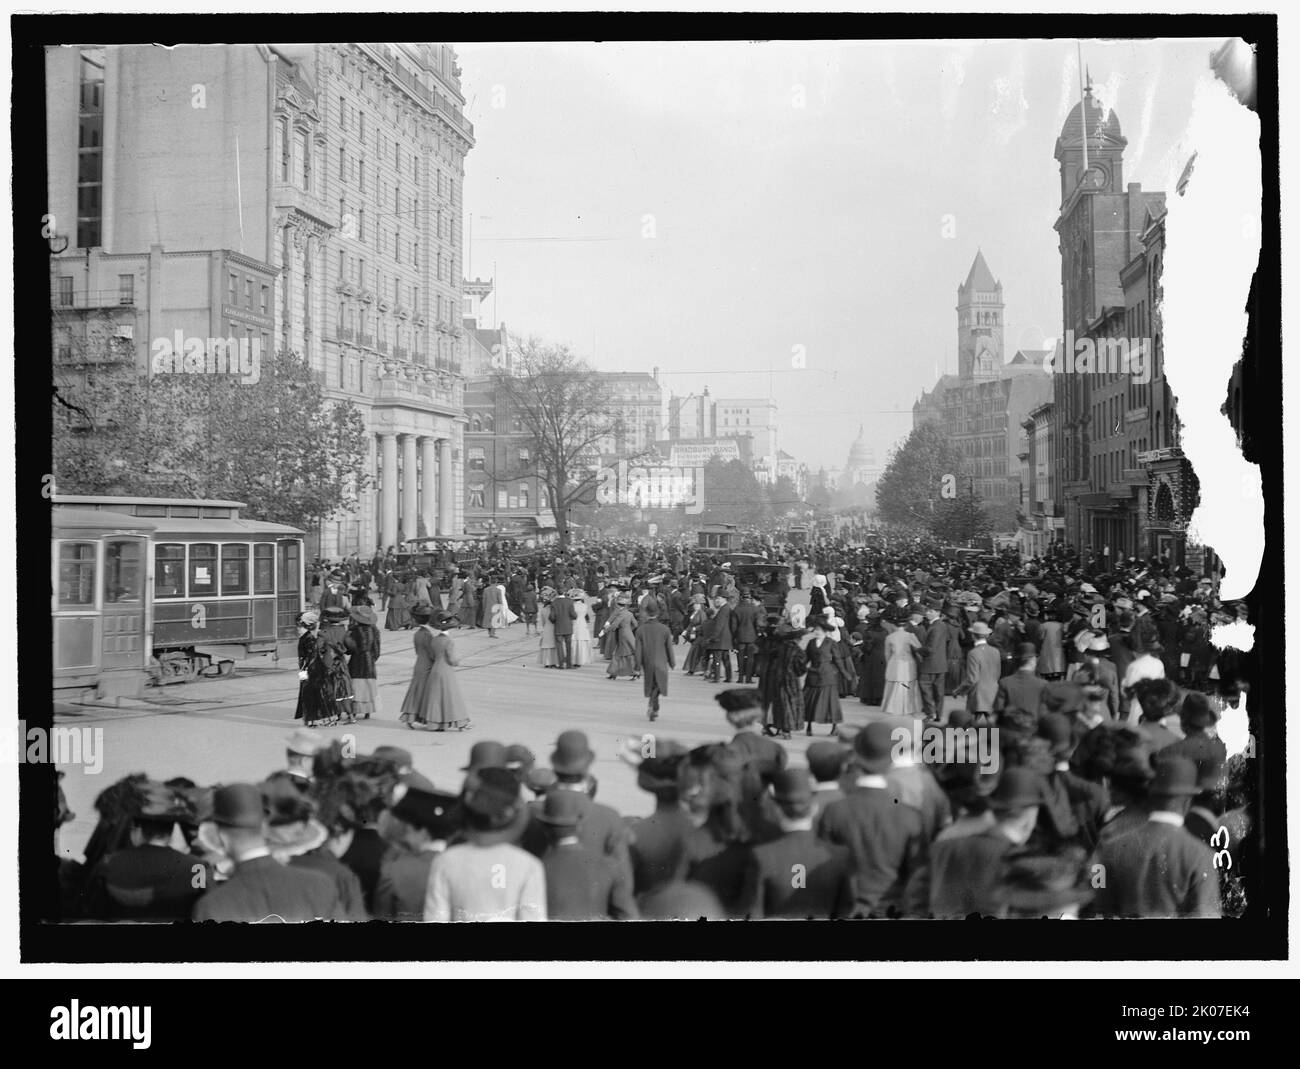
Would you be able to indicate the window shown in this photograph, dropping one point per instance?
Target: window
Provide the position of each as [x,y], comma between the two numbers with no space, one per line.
[203,569]
[76,574]
[287,575]
[90,162]
[343,166]
[169,571]
[489,424]
[266,299]
[234,568]
[126,289]
[233,293]
[477,459]
[123,576]
[503,499]
[523,495]
[65,291]
[476,497]
[248,291]
[525,457]
[361,124]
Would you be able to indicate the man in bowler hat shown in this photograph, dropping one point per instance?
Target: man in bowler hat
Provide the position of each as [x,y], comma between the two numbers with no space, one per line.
[798,875]
[581,885]
[260,888]
[1159,868]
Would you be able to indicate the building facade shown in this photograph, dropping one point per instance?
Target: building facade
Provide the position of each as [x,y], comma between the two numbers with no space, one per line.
[981,408]
[1123,486]
[308,196]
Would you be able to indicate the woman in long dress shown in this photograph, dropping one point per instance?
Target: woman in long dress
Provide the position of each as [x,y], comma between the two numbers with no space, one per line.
[902,693]
[581,628]
[313,707]
[1051,648]
[363,651]
[434,699]
[546,656]
[697,634]
[781,666]
[399,605]
[821,689]
[332,656]
[623,626]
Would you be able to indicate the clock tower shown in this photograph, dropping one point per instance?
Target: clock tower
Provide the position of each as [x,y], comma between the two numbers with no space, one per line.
[979,323]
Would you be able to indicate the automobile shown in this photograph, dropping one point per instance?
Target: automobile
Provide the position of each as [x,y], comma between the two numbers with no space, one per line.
[770,581]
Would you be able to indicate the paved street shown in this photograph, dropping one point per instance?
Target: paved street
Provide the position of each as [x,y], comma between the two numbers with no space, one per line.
[235,728]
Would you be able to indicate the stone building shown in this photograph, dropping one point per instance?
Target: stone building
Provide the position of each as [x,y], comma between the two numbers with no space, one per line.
[306,196]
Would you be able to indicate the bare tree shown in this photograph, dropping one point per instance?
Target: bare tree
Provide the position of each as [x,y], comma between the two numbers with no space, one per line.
[566,409]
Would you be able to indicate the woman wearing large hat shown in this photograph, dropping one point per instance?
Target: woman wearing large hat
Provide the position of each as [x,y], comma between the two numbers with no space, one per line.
[363,651]
[332,650]
[312,705]
[434,697]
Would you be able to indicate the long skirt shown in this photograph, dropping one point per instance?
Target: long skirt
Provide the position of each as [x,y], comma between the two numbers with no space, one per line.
[821,705]
[313,700]
[434,697]
[901,698]
[623,663]
[696,656]
[871,680]
[547,657]
[365,697]
[399,613]
[581,650]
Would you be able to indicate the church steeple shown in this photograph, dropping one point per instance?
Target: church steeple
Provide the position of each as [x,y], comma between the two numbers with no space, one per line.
[979,321]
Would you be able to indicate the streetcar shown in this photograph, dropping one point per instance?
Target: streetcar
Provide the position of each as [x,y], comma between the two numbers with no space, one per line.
[720,536]
[140,584]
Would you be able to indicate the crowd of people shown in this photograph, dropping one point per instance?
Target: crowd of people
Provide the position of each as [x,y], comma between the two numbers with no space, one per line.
[1105,789]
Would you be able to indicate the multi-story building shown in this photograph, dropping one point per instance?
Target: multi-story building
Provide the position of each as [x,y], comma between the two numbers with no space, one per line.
[1040,523]
[755,418]
[1106,417]
[306,196]
[789,468]
[981,407]
[638,399]
[503,495]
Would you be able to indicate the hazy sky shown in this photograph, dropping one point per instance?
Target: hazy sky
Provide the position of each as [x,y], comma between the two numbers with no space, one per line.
[672,205]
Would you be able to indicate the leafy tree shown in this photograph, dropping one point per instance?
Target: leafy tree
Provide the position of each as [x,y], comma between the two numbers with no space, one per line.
[733,495]
[959,519]
[279,445]
[909,489]
[566,410]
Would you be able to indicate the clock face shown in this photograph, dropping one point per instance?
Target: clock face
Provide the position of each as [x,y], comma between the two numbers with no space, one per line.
[1095,178]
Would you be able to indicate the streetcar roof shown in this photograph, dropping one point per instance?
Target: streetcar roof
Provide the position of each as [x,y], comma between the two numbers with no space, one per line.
[94,500]
[199,530]
[67,518]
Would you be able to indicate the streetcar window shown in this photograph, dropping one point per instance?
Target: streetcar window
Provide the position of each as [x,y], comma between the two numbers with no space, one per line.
[288,577]
[76,574]
[150,510]
[203,569]
[169,570]
[123,576]
[264,568]
[234,568]
[215,514]
[184,512]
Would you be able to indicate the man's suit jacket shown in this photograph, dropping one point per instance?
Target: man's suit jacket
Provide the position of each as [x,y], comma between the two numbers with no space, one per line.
[941,647]
[1157,870]
[885,839]
[582,885]
[563,613]
[962,876]
[720,635]
[1107,677]
[403,885]
[654,653]
[601,830]
[1122,651]
[983,671]
[265,890]
[745,620]
[799,876]
[657,847]
[1021,690]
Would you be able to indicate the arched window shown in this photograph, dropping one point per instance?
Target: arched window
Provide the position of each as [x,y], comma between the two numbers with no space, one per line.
[476,424]
[489,424]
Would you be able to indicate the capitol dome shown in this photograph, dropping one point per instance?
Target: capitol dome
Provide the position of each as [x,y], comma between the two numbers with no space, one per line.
[861,457]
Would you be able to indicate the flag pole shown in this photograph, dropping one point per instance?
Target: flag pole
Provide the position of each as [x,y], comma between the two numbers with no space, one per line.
[1083,108]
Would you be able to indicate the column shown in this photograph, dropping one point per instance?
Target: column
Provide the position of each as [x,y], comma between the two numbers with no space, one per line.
[410,527]
[429,485]
[446,489]
[388,477]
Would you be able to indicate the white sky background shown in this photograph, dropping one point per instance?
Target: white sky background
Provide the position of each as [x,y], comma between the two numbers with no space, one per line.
[777,226]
